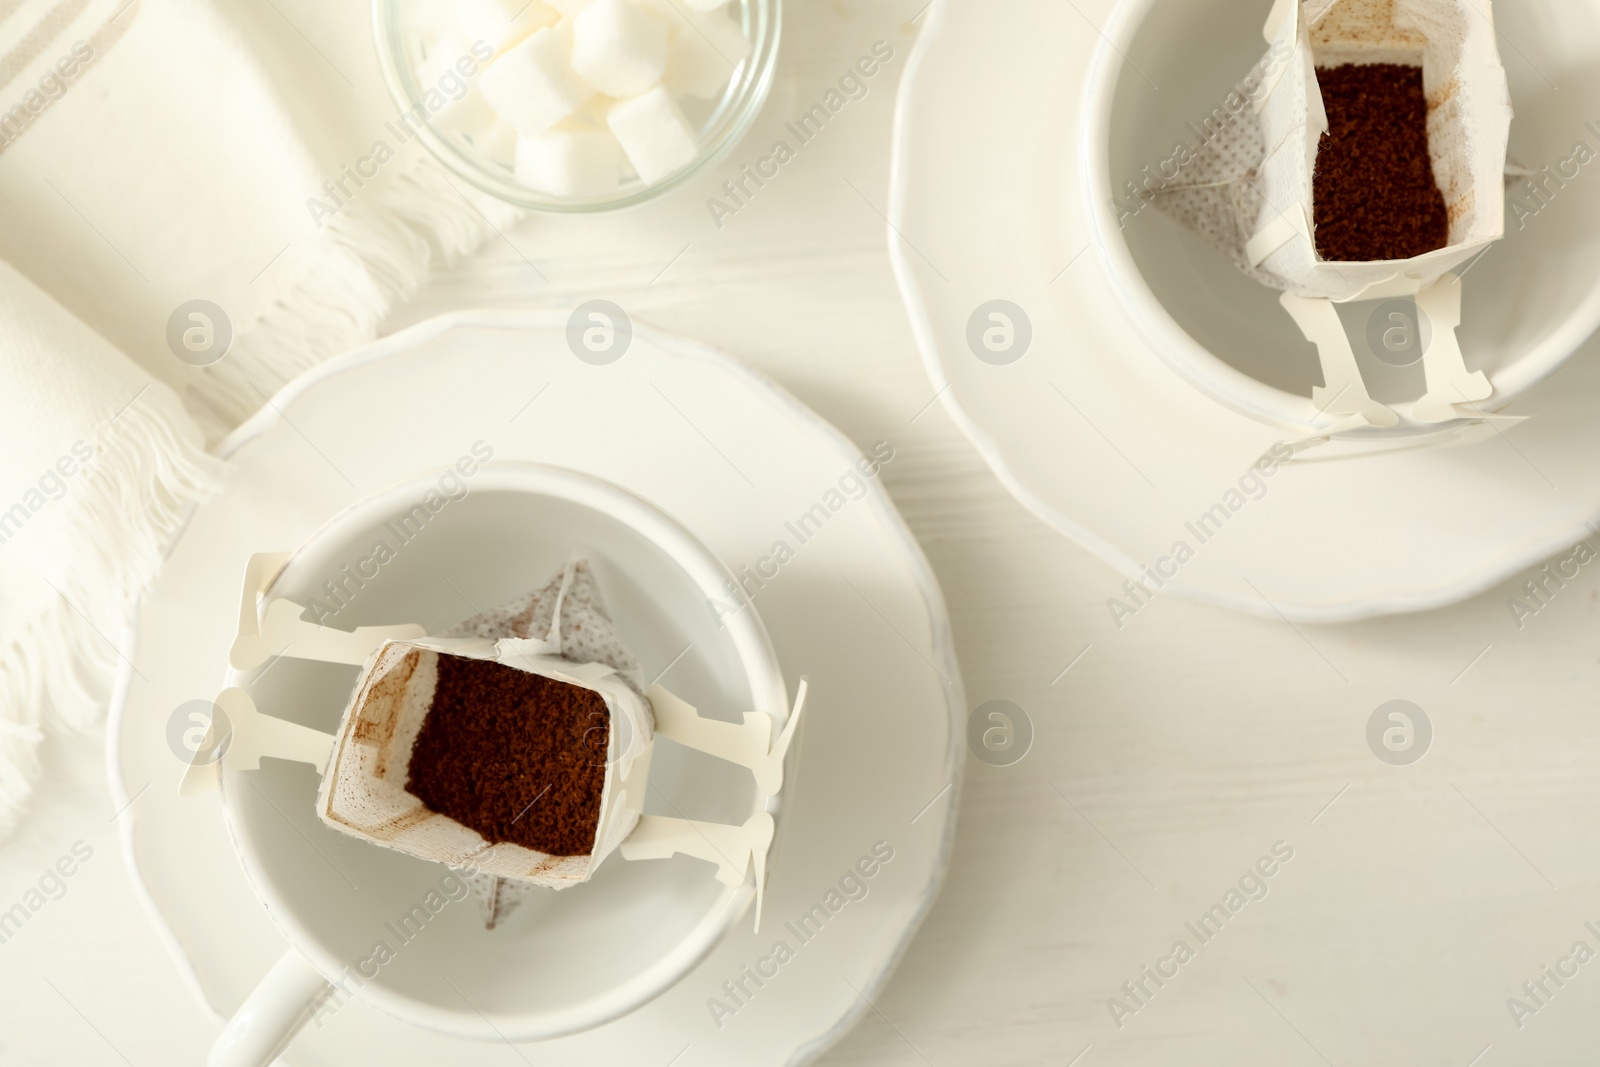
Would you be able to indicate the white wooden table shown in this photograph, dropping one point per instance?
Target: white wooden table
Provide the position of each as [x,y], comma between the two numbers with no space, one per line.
[1167,761]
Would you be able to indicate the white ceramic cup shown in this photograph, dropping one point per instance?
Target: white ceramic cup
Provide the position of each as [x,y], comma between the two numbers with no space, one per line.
[1529,303]
[564,961]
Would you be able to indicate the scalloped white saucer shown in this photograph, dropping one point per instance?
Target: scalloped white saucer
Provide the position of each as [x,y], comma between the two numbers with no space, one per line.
[734,459]
[1092,430]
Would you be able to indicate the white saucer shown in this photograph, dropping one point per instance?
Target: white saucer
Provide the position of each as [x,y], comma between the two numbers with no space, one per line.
[1092,430]
[729,455]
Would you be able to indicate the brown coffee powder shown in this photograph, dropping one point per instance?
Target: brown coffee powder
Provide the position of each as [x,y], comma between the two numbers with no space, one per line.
[515,756]
[1373,190]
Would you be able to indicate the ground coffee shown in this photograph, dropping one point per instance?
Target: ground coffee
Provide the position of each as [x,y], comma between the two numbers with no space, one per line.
[515,756]
[1373,190]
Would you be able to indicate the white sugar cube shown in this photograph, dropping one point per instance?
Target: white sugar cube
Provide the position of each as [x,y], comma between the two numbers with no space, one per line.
[569,159]
[702,56]
[500,22]
[445,75]
[533,86]
[617,48]
[442,83]
[428,21]
[654,134]
[667,11]
[471,114]
[439,53]
[498,141]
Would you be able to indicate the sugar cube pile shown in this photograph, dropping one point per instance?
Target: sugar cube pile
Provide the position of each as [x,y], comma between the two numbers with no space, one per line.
[580,96]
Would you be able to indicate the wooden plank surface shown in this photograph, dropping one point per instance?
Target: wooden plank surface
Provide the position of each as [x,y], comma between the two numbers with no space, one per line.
[1171,758]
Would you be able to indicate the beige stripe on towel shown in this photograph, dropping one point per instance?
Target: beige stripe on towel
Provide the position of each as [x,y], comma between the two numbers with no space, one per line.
[100,42]
[53,25]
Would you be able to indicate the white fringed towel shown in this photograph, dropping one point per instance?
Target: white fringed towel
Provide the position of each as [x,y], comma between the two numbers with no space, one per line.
[155,152]
[99,465]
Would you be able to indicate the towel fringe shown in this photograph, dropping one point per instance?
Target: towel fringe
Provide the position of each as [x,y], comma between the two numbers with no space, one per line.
[377,255]
[99,547]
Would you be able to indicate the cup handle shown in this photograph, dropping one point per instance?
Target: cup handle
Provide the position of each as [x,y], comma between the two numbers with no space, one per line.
[270,1017]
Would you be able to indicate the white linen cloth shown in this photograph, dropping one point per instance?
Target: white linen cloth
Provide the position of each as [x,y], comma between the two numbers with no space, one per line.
[155,152]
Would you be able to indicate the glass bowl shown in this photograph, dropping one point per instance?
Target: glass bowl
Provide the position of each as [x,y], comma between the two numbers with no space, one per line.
[403,29]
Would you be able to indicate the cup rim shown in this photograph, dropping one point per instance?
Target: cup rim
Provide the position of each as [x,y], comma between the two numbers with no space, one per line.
[1201,367]
[766,687]
[763,64]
